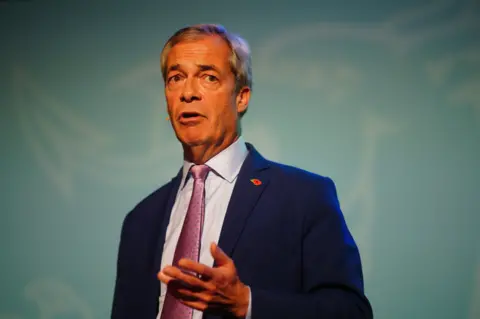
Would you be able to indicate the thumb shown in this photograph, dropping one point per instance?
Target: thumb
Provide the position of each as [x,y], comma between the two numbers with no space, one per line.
[219,255]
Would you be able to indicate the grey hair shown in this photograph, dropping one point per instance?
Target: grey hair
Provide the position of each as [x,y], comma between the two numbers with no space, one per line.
[240,58]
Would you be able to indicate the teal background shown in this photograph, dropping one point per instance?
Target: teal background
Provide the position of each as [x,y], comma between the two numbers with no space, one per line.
[382,96]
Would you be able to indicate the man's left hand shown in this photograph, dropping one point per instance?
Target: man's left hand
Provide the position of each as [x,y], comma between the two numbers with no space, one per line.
[216,290]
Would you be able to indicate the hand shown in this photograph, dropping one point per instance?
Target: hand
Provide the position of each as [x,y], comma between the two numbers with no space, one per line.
[217,290]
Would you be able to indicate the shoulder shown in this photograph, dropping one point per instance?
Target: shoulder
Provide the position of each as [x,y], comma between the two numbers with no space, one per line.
[300,178]
[315,193]
[306,188]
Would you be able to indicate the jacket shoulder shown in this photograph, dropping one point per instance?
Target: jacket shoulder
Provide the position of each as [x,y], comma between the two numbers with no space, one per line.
[299,175]
[306,185]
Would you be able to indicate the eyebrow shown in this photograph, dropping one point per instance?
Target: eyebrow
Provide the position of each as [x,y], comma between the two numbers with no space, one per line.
[208,67]
[202,67]
[174,67]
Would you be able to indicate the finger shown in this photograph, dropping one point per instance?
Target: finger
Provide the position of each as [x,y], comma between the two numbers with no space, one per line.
[201,269]
[192,281]
[180,291]
[177,288]
[199,296]
[219,255]
[164,277]
[210,298]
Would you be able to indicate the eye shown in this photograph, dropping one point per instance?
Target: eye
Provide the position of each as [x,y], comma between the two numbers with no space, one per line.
[210,78]
[174,78]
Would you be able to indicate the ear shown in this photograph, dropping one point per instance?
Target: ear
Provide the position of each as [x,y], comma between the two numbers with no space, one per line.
[243,97]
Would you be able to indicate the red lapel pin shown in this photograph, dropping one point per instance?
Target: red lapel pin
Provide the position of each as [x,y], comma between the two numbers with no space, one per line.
[256,182]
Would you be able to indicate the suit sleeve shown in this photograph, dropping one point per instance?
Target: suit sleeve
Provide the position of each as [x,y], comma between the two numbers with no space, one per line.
[331,268]
[120,297]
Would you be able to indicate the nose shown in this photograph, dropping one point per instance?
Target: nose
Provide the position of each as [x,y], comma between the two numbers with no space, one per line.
[190,91]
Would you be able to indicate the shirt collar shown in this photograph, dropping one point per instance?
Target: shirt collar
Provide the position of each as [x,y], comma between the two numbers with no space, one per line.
[226,164]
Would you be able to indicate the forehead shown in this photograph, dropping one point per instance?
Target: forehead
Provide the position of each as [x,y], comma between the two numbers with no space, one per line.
[207,50]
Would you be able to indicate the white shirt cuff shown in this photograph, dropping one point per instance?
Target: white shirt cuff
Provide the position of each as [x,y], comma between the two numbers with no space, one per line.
[249,311]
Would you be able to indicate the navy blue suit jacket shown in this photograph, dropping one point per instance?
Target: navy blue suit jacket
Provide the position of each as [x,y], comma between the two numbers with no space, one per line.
[287,237]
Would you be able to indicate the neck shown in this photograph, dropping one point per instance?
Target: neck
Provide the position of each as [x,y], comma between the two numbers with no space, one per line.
[200,154]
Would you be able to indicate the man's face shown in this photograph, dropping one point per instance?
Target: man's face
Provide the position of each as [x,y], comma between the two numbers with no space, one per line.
[200,92]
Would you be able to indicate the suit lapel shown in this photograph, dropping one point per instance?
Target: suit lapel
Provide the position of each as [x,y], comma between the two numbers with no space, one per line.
[252,180]
[167,210]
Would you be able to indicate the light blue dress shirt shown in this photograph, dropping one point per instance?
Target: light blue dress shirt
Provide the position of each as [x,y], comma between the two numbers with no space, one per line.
[219,185]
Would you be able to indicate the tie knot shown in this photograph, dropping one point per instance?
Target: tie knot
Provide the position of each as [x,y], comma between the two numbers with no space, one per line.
[199,171]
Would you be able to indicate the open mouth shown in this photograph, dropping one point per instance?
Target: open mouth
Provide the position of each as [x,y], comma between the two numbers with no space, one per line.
[189,117]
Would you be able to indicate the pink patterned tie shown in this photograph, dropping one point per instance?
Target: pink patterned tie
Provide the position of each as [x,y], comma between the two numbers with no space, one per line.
[188,245]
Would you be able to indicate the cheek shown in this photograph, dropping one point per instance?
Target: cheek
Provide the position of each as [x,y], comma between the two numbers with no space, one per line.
[225,117]
[171,105]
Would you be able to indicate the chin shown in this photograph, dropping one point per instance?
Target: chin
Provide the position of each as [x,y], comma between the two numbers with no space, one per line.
[192,143]
[194,136]
[192,140]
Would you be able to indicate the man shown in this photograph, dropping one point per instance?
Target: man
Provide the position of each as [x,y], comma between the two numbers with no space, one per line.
[233,235]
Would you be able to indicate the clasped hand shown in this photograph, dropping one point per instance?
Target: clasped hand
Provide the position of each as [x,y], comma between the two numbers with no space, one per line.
[211,289]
